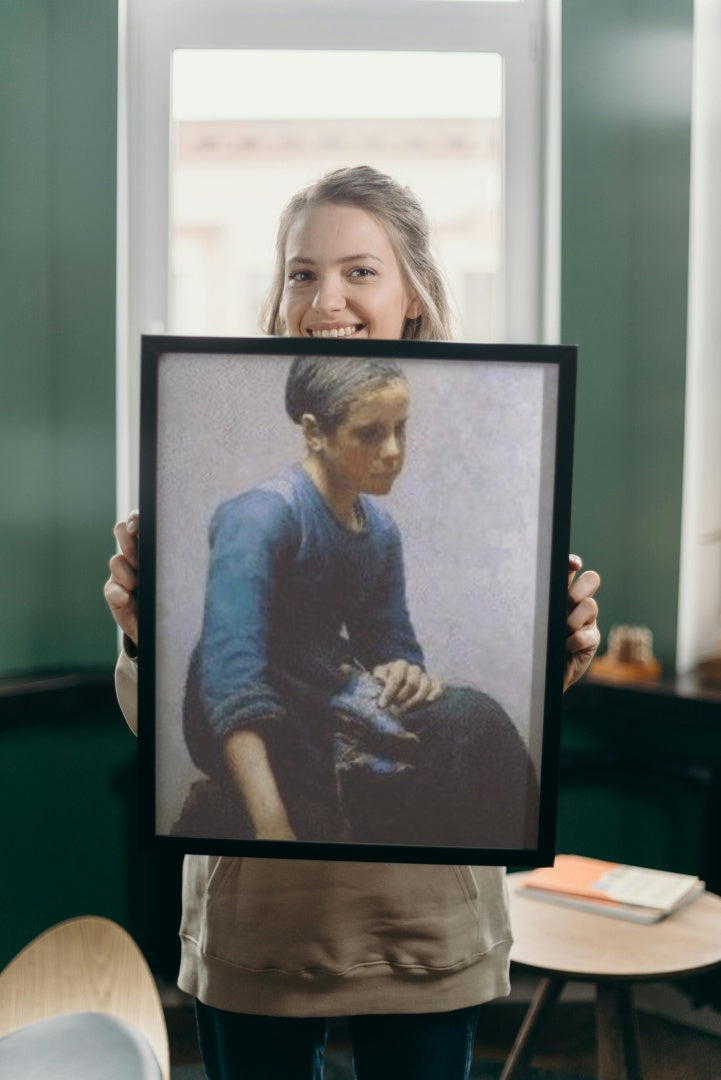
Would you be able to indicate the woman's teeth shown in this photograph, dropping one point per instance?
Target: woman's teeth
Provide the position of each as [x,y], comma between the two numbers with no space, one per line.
[337,331]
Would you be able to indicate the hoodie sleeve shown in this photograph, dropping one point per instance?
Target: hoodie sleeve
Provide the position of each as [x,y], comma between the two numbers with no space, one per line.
[126,689]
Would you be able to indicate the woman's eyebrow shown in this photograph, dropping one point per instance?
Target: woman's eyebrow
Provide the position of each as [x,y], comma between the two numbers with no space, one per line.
[361,257]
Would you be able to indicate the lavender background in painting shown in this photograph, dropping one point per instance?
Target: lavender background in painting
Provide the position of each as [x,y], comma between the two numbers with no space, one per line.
[474,505]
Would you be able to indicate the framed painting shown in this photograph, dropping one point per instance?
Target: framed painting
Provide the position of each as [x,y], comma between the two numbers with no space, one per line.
[352,597]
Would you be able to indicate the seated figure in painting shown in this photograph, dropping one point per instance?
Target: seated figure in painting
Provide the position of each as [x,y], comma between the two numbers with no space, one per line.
[307,701]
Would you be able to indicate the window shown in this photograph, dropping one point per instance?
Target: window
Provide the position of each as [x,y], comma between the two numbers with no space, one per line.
[235,161]
[227,107]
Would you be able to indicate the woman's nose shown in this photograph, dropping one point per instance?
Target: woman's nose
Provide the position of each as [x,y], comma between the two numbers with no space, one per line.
[329,295]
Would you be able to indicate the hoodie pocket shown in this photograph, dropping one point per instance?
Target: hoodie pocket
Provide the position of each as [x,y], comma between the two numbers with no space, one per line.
[296,916]
[468,884]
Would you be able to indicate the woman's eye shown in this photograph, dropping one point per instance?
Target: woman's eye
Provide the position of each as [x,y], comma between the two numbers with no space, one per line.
[300,276]
[362,272]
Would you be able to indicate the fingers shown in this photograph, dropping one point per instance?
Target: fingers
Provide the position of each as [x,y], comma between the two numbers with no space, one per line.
[123,572]
[575,563]
[415,690]
[582,610]
[583,613]
[585,640]
[581,648]
[582,633]
[406,685]
[126,534]
[428,690]
[121,587]
[393,676]
[580,587]
[584,586]
[582,607]
[123,607]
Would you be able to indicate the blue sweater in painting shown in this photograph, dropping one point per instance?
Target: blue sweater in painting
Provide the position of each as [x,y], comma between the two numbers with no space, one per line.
[291,596]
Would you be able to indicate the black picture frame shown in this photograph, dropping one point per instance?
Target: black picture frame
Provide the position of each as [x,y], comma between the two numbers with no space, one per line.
[483,509]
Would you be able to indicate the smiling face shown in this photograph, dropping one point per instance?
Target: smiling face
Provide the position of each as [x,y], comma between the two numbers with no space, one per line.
[342,277]
[366,450]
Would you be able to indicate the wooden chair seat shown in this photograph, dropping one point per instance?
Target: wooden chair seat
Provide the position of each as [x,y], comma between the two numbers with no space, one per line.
[84,965]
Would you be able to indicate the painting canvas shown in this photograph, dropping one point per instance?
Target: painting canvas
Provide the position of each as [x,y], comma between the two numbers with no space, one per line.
[352,597]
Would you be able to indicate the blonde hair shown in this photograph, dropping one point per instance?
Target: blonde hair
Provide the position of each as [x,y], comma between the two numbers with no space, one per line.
[403,217]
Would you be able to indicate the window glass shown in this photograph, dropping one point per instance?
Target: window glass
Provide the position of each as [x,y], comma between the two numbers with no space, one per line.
[251,127]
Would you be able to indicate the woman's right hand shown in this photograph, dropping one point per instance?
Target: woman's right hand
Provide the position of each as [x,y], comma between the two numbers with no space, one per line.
[121,587]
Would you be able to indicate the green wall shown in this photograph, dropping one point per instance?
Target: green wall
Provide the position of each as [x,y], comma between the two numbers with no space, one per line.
[58,65]
[625,200]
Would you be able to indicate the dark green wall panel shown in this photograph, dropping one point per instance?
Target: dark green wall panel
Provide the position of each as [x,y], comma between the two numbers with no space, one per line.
[626,144]
[25,400]
[58,76]
[61,787]
[68,798]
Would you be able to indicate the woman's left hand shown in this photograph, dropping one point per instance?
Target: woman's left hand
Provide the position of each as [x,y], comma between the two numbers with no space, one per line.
[405,685]
[583,635]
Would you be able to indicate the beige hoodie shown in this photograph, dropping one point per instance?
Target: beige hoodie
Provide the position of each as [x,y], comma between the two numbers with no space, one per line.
[286,937]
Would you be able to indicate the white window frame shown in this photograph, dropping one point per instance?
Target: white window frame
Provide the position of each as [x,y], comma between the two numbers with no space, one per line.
[699,596]
[526,34]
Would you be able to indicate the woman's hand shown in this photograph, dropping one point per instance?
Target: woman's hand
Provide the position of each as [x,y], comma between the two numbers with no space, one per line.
[405,685]
[121,587]
[583,635]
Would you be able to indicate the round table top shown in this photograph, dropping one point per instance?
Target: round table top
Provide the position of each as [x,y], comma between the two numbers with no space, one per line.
[559,940]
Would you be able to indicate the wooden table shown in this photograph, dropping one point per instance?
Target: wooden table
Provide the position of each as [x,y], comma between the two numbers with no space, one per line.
[563,944]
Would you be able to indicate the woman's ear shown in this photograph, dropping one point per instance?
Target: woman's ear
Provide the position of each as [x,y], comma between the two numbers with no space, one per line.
[314,438]
[415,309]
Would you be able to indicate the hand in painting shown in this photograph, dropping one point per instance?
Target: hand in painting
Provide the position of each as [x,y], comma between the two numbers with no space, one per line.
[583,635]
[120,589]
[405,685]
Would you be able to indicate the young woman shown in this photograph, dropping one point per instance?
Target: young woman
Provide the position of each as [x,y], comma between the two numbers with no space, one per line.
[308,688]
[271,948]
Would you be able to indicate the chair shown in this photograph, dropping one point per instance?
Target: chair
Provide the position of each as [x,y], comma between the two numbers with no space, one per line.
[79,1002]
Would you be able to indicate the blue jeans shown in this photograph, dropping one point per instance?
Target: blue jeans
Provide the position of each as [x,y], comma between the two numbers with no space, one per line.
[415,1046]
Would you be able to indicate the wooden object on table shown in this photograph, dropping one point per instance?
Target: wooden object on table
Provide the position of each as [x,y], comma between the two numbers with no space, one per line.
[709,670]
[565,945]
[88,964]
[629,657]
[605,667]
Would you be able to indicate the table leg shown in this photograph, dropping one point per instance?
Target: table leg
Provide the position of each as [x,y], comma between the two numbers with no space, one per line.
[545,997]
[617,1033]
